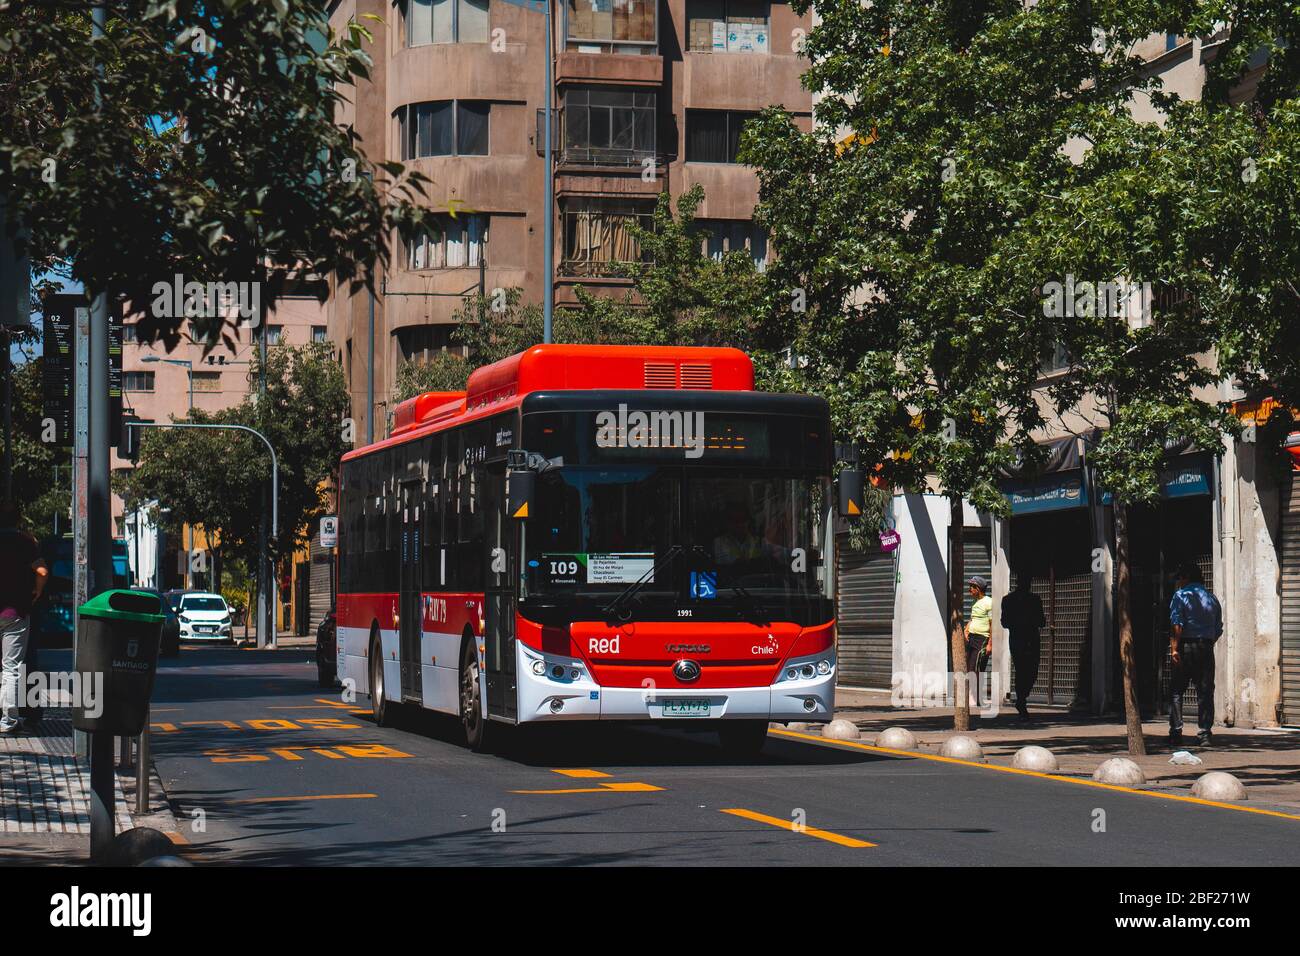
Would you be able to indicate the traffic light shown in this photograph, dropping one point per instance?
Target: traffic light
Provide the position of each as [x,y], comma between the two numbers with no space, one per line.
[129,447]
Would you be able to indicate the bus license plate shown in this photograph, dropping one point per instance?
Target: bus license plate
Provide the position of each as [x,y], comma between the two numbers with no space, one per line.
[686,708]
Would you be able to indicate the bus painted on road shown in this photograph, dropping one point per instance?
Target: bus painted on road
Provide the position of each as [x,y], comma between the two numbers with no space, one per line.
[594,533]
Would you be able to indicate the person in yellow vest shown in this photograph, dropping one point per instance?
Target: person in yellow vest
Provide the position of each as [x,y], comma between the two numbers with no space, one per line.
[979,632]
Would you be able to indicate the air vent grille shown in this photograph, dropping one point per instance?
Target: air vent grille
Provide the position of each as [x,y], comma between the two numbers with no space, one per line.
[697,376]
[660,375]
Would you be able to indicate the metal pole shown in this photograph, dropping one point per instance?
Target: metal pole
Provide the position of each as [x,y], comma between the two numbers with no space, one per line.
[99,512]
[142,769]
[263,618]
[370,372]
[7,362]
[80,440]
[275,462]
[548,232]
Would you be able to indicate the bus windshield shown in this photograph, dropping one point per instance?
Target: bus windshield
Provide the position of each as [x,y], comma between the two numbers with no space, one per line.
[599,530]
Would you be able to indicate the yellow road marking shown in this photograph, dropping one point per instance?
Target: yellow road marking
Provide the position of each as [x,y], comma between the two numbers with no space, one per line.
[1036,773]
[603,788]
[228,724]
[581,773]
[805,830]
[318,796]
[176,837]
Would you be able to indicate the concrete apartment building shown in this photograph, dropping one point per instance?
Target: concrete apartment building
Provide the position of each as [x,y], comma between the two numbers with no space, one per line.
[648,98]
[1234,515]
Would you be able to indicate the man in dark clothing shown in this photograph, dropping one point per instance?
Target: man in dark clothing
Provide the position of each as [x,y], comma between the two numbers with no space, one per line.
[1022,616]
[22,579]
[1196,622]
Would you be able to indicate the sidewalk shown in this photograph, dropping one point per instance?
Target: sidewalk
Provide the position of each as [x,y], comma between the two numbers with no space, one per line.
[45,797]
[1266,761]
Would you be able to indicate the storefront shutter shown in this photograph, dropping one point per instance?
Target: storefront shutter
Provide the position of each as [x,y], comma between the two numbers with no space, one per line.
[866,615]
[1291,605]
[322,560]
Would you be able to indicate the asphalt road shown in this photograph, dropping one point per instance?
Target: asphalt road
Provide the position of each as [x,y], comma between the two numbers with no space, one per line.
[263,767]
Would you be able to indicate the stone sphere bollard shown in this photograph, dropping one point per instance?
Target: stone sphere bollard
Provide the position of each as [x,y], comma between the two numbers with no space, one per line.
[840,730]
[1217,785]
[1036,758]
[1121,772]
[962,748]
[897,738]
[132,847]
[798,726]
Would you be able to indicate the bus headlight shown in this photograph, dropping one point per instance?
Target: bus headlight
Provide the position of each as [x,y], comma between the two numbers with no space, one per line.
[823,667]
[539,668]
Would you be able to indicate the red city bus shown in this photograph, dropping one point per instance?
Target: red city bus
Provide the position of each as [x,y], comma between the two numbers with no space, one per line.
[594,533]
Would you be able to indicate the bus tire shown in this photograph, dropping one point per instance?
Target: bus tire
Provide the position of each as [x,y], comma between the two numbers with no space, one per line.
[743,738]
[379,705]
[472,720]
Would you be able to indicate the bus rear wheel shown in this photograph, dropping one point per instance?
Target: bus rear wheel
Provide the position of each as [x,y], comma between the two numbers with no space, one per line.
[378,698]
[743,738]
[472,719]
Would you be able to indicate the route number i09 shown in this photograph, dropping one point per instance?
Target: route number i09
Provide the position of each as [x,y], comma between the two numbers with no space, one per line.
[563,568]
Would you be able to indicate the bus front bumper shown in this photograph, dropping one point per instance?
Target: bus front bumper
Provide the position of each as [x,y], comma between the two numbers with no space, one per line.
[565,691]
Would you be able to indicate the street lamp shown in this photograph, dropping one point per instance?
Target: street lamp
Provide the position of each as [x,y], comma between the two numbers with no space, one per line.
[189,367]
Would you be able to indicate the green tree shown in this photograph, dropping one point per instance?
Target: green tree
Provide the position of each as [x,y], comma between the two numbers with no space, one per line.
[41,479]
[194,138]
[897,223]
[218,479]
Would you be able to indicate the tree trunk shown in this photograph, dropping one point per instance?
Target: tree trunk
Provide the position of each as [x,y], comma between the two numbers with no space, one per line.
[1132,716]
[956,624]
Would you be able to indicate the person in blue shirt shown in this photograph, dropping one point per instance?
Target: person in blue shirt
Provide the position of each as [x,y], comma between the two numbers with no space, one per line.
[1196,622]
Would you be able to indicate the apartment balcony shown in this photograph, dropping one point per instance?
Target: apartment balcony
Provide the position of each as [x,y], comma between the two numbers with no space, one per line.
[615,69]
[443,71]
[744,81]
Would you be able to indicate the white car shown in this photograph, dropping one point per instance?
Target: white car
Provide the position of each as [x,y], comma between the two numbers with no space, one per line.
[204,617]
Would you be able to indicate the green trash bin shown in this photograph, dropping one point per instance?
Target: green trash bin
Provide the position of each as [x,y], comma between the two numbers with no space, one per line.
[117,652]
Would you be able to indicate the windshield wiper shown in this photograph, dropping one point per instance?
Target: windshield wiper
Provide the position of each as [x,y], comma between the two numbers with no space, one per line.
[639,583]
[753,603]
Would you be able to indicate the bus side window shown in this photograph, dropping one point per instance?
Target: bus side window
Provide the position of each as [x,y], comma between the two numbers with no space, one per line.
[433,515]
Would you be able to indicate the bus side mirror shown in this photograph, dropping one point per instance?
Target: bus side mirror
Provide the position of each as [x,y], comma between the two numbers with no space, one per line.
[850,488]
[519,493]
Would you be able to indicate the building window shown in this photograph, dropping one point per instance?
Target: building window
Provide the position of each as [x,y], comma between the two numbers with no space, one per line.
[129,332]
[444,128]
[274,334]
[608,126]
[450,244]
[1055,359]
[207,381]
[611,26]
[137,381]
[598,239]
[728,26]
[445,21]
[318,333]
[721,236]
[419,343]
[713,136]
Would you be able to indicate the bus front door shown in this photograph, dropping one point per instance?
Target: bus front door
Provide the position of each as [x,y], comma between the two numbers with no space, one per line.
[499,597]
[410,607]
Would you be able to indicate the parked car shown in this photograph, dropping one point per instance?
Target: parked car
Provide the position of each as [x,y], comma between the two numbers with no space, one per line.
[326,652]
[204,617]
[170,643]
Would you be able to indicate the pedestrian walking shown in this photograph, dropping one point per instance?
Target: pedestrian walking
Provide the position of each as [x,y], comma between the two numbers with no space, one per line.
[979,632]
[22,579]
[1195,623]
[1022,616]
